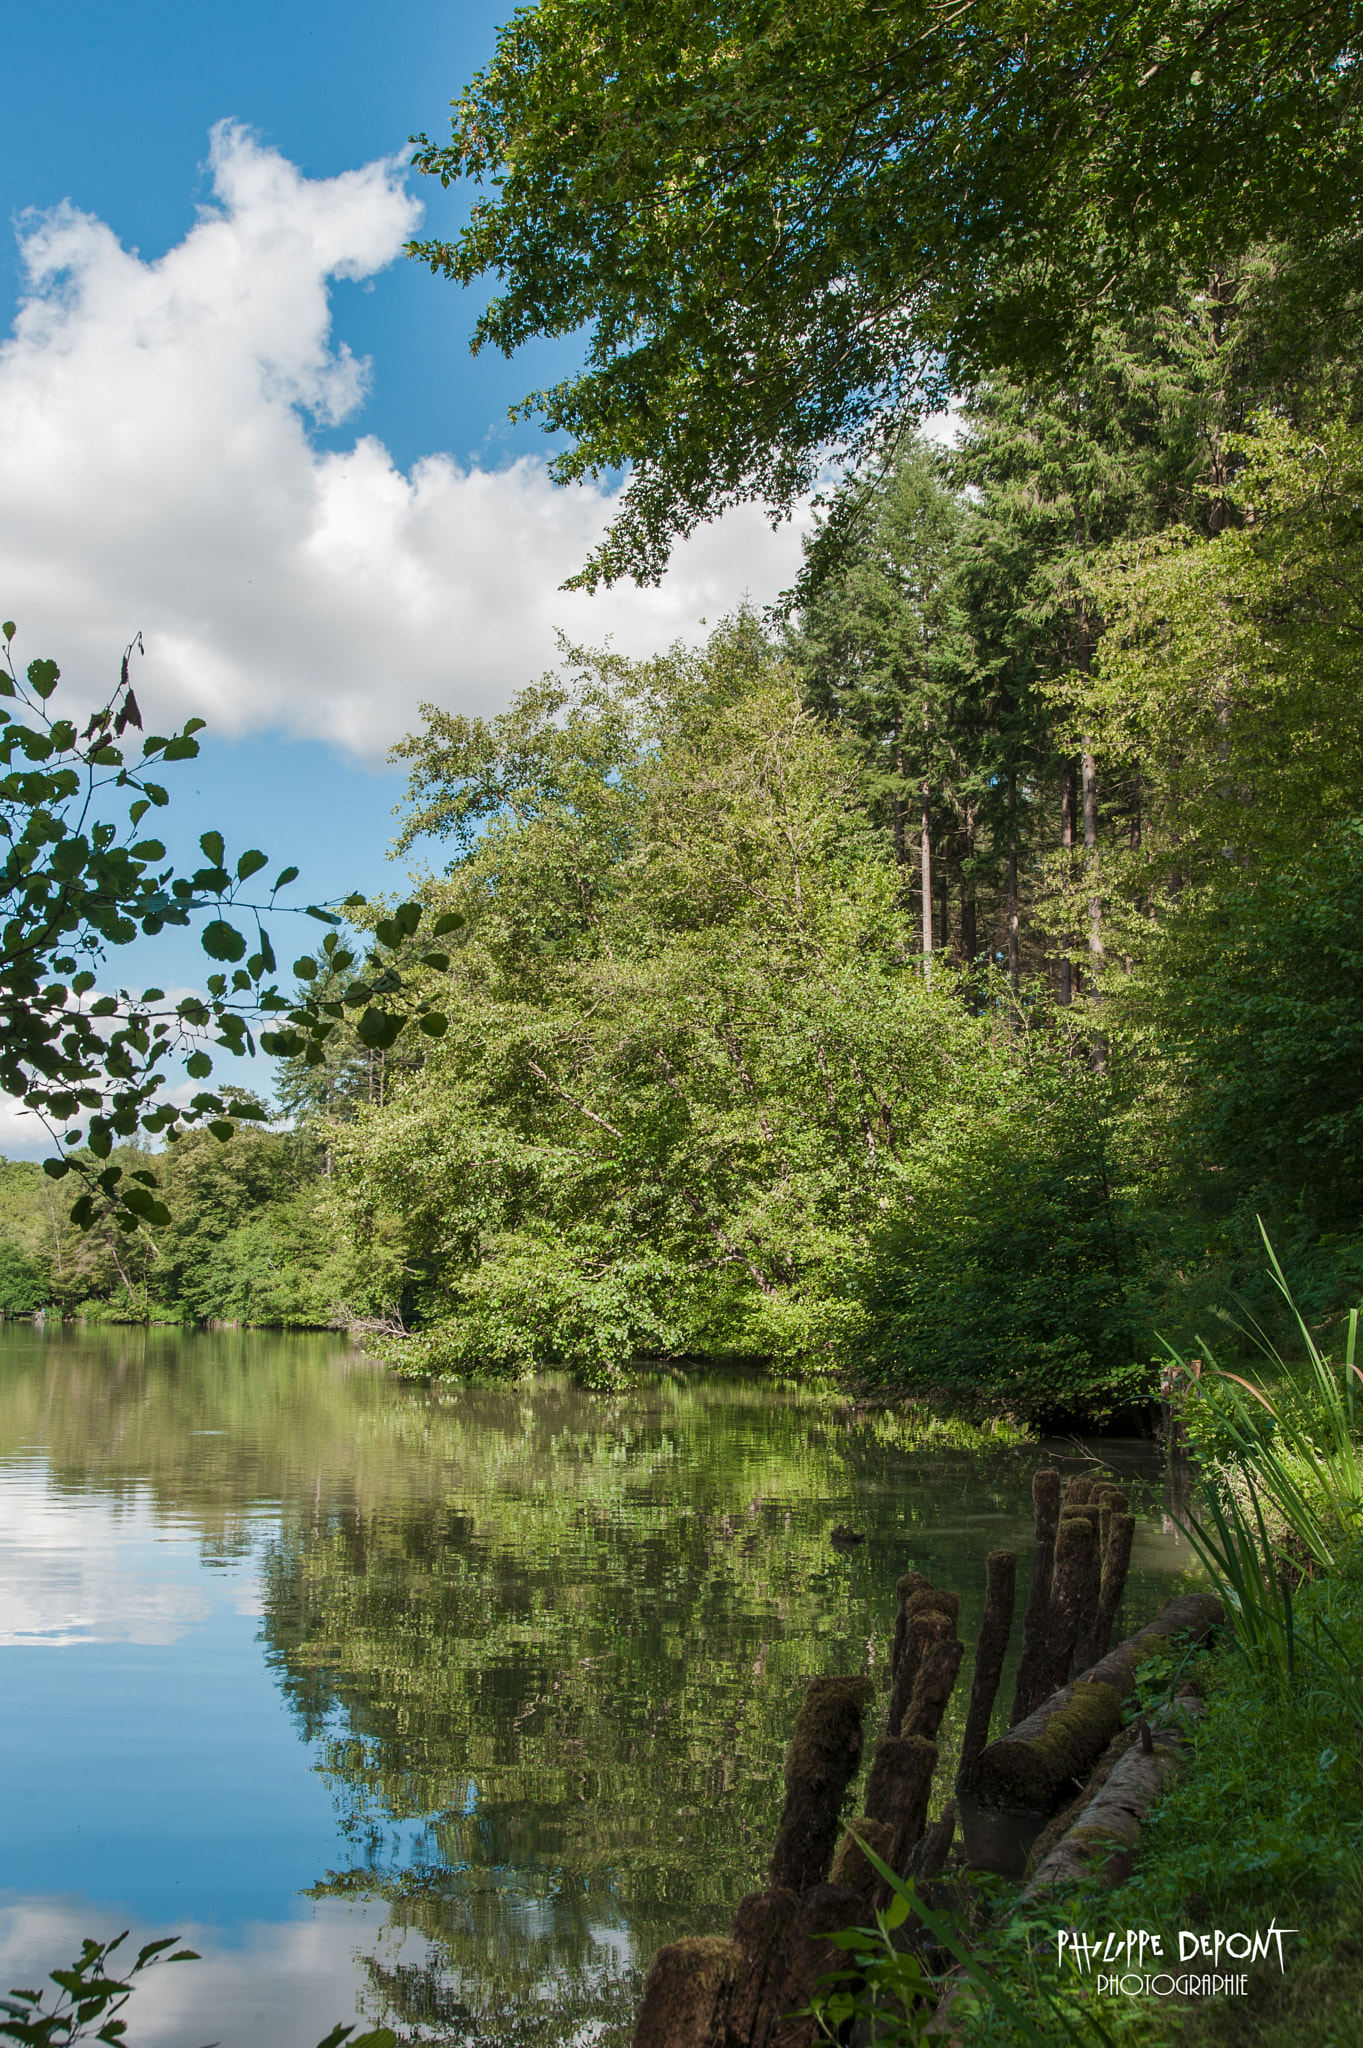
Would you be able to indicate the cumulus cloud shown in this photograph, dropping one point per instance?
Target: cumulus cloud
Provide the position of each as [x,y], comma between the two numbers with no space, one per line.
[160,474]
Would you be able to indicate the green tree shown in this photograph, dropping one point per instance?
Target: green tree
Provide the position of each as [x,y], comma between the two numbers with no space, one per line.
[784,228]
[688,1043]
[869,644]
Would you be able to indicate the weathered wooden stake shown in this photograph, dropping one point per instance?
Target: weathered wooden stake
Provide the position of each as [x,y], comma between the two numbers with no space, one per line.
[1031,1686]
[824,1756]
[1000,1569]
[1075,1544]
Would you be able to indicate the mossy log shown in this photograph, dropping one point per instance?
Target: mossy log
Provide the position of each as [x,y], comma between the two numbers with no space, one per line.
[686,1994]
[762,1927]
[1103,1840]
[1076,1547]
[823,1758]
[1030,1687]
[1000,1572]
[1030,1769]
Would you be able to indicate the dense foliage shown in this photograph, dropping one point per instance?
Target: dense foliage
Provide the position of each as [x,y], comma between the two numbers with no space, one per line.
[782,226]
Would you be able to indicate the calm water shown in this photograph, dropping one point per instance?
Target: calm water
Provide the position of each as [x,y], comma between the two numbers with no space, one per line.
[441,1709]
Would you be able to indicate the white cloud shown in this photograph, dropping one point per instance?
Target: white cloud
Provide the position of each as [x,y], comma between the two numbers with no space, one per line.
[159,474]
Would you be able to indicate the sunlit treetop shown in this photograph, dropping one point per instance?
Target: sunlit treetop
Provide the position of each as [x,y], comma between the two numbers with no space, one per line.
[783,228]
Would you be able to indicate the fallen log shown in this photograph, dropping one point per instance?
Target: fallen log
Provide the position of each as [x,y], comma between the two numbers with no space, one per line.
[1103,1841]
[1028,1770]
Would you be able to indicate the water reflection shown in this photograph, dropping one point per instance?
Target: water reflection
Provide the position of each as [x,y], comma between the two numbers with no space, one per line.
[543,1647]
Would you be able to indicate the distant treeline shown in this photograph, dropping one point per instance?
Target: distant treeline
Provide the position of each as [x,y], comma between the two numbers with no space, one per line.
[247,1241]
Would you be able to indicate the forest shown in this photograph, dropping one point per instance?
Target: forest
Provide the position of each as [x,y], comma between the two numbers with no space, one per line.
[931,976]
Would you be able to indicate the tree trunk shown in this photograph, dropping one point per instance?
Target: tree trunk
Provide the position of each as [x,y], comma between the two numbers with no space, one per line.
[1090,773]
[1067,844]
[927,885]
[897,809]
[970,942]
[1098,1048]
[1014,935]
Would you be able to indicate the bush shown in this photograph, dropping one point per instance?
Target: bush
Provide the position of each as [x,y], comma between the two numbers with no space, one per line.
[24,1284]
[1013,1273]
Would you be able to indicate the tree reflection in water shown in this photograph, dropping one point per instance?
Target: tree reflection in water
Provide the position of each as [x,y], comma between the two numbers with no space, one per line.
[545,1646]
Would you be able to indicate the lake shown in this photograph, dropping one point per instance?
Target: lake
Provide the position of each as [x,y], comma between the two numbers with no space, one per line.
[441,1708]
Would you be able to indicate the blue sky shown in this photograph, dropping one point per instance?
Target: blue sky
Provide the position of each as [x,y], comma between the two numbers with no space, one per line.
[236,419]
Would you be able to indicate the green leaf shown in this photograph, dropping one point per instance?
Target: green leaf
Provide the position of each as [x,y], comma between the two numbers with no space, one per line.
[222,941]
[324,916]
[251,863]
[378,1030]
[83,1212]
[181,750]
[450,921]
[43,677]
[199,1066]
[56,1169]
[433,1024]
[283,879]
[221,1129]
[9,630]
[306,968]
[148,849]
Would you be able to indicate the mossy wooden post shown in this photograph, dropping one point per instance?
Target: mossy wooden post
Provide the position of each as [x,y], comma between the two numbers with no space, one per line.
[1030,1685]
[823,1758]
[1000,1578]
[911,1583]
[686,1994]
[898,1788]
[928,1856]
[762,1928]
[928,1620]
[850,1866]
[1116,1564]
[825,1910]
[1084,1653]
[1075,1544]
[933,1687]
